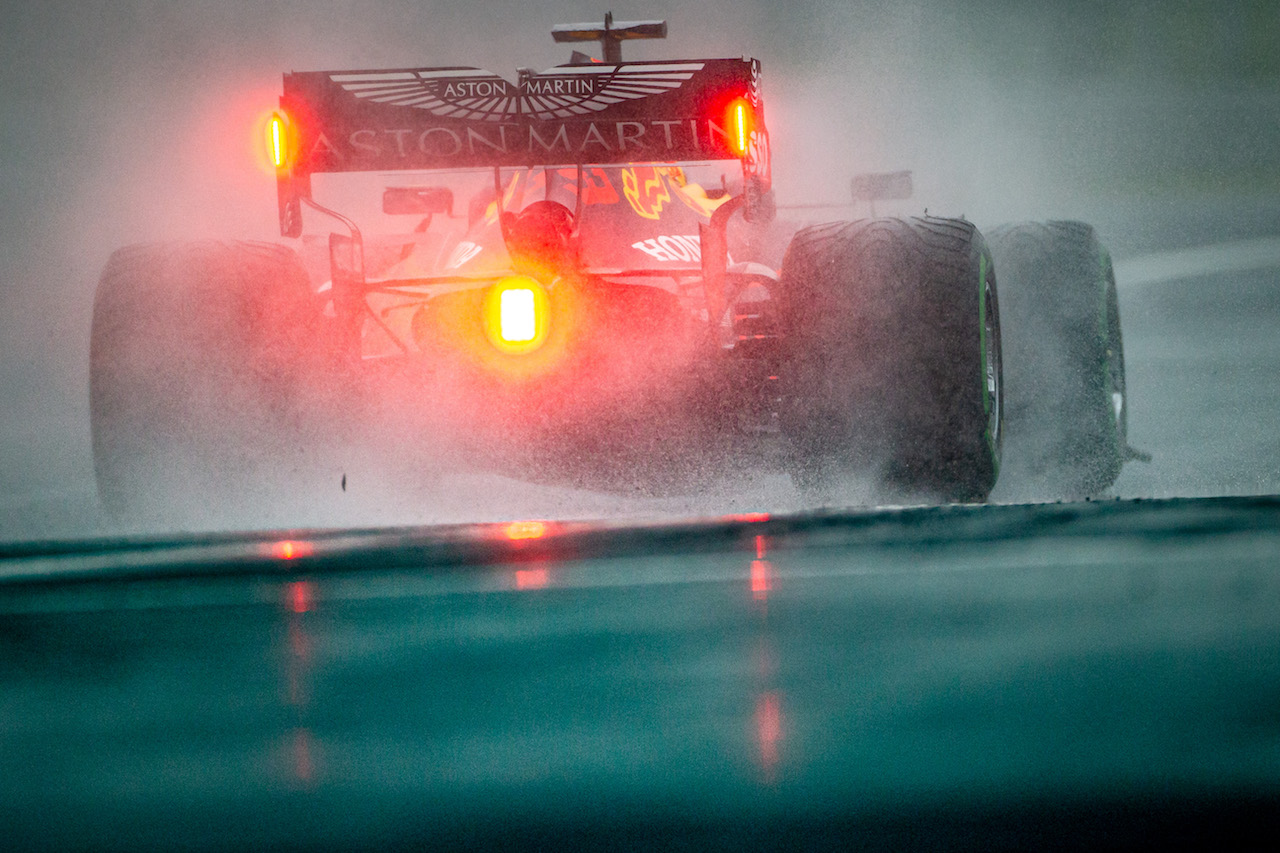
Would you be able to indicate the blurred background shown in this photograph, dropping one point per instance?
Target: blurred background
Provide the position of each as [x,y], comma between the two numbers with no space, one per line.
[135,120]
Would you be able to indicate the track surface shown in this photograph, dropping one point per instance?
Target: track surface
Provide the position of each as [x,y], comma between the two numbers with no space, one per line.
[987,677]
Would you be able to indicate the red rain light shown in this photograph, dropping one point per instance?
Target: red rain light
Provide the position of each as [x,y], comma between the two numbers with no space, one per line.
[516,315]
[518,320]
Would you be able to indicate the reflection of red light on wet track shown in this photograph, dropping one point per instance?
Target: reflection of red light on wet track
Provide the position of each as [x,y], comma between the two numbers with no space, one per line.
[289,549]
[531,578]
[304,768]
[769,730]
[760,581]
[299,642]
[299,596]
[526,530]
[761,571]
[298,599]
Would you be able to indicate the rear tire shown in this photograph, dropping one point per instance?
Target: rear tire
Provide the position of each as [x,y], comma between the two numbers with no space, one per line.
[892,358]
[1067,407]
[198,356]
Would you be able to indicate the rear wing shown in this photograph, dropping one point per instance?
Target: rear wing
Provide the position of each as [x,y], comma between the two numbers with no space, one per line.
[443,118]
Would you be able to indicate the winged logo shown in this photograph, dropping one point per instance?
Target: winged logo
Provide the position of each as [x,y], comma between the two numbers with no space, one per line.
[471,93]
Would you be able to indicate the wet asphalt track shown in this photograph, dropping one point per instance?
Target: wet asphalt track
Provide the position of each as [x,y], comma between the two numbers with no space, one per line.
[1102,674]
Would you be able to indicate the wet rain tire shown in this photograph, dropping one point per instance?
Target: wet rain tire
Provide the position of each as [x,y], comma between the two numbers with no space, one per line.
[1066,427]
[892,358]
[198,353]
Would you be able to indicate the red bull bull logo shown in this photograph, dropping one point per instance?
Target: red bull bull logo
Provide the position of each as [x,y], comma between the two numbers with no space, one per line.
[645,190]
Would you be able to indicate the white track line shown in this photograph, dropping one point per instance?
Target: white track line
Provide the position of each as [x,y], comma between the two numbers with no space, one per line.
[1242,255]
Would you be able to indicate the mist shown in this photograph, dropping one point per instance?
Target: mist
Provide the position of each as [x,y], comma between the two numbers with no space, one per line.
[127,122]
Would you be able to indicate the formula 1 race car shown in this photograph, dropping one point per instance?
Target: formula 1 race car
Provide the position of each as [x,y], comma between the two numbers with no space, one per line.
[591,290]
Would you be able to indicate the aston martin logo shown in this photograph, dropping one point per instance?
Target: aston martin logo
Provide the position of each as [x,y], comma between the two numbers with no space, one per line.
[470,93]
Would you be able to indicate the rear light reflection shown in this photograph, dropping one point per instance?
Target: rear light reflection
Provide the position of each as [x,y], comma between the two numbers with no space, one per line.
[761,571]
[768,719]
[532,578]
[526,530]
[291,549]
[304,766]
[299,597]
[760,580]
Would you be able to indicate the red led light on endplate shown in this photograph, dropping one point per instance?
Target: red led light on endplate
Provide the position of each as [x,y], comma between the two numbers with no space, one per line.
[742,125]
[277,141]
[278,153]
